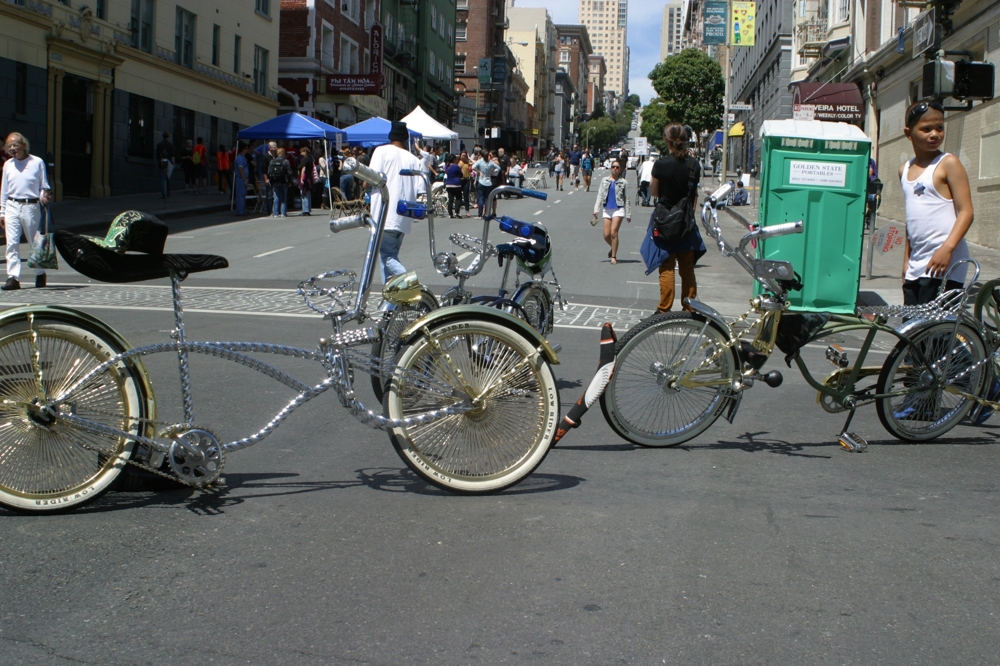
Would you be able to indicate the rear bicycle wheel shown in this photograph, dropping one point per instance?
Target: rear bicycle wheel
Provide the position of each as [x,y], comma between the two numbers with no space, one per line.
[505,437]
[48,463]
[920,411]
[663,392]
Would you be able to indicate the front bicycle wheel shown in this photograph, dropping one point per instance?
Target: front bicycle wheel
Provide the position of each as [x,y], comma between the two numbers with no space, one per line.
[509,432]
[918,407]
[46,462]
[388,348]
[536,303]
[673,378]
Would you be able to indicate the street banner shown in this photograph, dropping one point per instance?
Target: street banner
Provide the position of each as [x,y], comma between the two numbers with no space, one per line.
[641,146]
[485,72]
[715,22]
[499,71]
[743,21]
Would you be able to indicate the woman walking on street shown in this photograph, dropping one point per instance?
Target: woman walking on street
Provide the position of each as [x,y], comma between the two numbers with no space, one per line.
[612,197]
[560,168]
[674,177]
[488,170]
[453,184]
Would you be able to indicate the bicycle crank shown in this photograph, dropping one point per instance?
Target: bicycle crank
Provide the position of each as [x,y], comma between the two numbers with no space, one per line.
[196,456]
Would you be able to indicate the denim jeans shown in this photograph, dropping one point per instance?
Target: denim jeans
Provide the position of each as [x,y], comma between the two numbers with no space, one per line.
[347,187]
[164,184]
[388,255]
[306,193]
[280,206]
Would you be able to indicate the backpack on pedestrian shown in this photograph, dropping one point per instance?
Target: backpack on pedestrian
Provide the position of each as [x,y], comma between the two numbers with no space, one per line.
[674,223]
[277,171]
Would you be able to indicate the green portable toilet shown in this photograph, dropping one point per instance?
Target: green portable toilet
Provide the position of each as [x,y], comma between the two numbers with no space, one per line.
[816,172]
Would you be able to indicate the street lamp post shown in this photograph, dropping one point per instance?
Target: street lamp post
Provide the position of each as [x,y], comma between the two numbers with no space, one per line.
[586,143]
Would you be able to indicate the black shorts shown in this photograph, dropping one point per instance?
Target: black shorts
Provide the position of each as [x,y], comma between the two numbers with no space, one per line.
[925,289]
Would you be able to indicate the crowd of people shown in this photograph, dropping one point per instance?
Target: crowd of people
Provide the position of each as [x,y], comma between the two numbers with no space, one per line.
[934,183]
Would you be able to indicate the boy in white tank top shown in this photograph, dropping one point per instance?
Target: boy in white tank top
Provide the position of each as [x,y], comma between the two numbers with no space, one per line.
[938,207]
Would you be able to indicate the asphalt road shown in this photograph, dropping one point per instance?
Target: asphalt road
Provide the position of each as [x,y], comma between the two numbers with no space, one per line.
[759,542]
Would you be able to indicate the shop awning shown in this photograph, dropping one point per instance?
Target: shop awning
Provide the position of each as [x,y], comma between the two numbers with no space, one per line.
[737,129]
[835,102]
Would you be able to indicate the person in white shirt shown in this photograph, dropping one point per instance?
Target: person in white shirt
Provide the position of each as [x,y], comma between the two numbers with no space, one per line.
[645,176]
[24,188]
[389,160]
[427,159]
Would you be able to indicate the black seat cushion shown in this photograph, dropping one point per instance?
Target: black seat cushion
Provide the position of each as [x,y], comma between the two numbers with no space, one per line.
[99,263]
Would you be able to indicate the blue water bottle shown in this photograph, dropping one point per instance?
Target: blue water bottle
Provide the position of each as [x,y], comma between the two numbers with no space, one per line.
[412,209]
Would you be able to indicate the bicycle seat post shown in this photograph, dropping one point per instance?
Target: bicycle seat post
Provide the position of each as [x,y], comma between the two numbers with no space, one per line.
[376,180]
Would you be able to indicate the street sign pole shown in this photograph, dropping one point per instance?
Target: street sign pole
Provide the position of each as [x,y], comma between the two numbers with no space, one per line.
[725,103]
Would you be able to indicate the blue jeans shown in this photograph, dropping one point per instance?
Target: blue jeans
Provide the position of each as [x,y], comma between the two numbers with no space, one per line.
[280,206]
[388,255]
[306,193]
[347,187]
[164,184]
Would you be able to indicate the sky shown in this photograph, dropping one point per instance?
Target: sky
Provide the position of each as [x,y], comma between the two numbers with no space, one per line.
[645,17]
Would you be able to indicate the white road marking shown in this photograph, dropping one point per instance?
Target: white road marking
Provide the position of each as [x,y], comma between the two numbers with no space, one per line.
[182,237]
[557,201]
[655,284]
[464,256]
[264,254]
[538,212]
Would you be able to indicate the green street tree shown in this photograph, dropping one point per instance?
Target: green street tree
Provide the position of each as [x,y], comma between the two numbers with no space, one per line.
[654,119]
[691,87]
[599,110]
[633,99]
[599,133]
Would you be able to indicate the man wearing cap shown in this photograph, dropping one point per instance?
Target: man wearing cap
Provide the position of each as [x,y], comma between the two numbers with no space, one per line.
[389,160]
[24,188]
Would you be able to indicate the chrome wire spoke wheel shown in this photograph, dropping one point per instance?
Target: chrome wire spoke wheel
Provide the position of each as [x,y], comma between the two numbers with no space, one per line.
[388,348]
[508,433]
[918,407]
[47,462]
[672,380]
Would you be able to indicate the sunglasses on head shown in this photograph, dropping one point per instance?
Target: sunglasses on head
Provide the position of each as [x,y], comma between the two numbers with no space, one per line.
[921,109]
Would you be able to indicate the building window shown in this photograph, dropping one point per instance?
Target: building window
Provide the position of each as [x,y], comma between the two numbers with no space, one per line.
[260,58]
[183,126]
[564,56]
[440,70]
[441,28]
[263,7]
[461,29]
[352,9]
[434,17]
[20,88]
[348,56]
[216,45]
[140,126]
[184,38]
[142,25]
[101,9]
[236,54]
[843,11]
[460,64]
[388,28]
[451,40]
[327,45]
[433,62]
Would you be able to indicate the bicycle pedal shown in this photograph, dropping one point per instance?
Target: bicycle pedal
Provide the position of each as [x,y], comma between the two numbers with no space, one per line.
[358,336]
[853,442]
[837,355]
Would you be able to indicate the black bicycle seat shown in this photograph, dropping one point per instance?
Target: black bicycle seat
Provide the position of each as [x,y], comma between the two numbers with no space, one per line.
[104,265]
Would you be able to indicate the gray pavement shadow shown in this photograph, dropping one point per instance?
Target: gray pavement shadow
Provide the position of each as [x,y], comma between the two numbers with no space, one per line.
[568,384]
[624,446]
[397,480]
[755,442]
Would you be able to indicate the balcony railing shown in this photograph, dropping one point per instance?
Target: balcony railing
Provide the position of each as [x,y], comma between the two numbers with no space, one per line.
[811,36]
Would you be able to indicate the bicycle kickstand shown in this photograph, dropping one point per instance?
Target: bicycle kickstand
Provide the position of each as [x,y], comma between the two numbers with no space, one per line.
[851,441]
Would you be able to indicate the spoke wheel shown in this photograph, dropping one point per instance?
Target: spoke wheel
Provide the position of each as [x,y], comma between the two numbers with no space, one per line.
[47,463]
[645,401]
[924,410]
[499,442]
[388,347]
[537,306]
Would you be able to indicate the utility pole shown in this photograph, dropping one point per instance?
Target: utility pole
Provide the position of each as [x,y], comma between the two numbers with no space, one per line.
[725,100]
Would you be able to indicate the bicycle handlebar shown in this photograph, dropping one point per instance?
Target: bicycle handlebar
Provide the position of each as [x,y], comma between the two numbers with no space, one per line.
[352,167]
[534,194]
[350,222]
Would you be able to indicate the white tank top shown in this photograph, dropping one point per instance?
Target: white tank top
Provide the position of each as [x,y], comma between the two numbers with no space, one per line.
[929,220]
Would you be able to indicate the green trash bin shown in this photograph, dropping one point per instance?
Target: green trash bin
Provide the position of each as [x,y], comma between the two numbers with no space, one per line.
[816,172]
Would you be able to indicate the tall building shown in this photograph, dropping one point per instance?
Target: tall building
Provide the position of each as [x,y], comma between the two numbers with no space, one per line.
[574,50]
[595,81]
[671,39]
[532,38]
[607,24]
[94,86]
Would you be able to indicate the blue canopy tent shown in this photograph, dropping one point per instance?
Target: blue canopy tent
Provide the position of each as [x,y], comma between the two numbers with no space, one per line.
[294,126]
[373,132]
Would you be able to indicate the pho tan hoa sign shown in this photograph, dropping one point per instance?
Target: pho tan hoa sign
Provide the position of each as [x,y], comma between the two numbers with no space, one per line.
[362,84]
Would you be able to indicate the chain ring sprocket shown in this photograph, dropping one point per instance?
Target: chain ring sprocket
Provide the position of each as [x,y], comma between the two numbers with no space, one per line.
[188,468]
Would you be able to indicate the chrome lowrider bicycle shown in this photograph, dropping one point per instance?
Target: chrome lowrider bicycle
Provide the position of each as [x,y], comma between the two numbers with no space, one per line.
[530,252]
[675,374]
[472,406]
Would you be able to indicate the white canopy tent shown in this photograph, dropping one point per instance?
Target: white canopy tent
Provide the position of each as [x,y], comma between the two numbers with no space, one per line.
[419,120]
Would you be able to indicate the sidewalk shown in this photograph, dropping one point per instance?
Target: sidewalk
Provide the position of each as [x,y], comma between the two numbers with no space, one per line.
[886,284]
[94,215]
